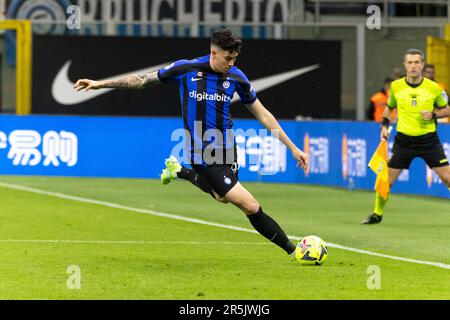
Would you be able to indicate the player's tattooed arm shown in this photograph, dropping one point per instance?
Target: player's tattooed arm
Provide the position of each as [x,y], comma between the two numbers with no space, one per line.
[133,82]
[129,82]
[149,79]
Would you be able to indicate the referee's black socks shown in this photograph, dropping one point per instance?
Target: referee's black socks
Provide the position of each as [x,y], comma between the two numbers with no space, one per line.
[270,229]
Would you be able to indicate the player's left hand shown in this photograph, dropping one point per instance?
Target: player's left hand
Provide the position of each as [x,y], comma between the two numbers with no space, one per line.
[302,159]
[427,115]
[87,84]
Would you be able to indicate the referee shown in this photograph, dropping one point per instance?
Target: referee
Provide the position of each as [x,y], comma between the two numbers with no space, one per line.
[419,102]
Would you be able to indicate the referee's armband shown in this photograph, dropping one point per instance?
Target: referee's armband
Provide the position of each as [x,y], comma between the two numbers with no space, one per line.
[385,122]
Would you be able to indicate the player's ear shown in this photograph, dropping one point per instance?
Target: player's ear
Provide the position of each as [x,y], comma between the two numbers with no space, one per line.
[213,52]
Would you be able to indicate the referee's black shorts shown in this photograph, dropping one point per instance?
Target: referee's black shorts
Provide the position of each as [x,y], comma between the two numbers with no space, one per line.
[220,177]
[428,147]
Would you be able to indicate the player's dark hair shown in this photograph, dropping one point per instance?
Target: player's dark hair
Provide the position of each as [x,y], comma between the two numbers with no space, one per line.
[414,52]
[429,65]
[224,38]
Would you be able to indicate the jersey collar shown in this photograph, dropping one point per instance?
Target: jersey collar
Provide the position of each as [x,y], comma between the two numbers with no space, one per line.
[414,85]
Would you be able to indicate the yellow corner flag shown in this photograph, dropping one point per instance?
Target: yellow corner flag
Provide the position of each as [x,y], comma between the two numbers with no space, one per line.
[378,164]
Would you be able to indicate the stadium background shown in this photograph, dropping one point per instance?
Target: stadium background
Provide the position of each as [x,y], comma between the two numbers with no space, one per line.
[349,58]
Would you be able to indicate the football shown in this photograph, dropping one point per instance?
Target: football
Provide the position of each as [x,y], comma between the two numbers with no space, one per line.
[311,250]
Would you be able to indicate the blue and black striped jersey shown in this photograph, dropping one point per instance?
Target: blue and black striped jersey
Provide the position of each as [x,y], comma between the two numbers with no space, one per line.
[205,100]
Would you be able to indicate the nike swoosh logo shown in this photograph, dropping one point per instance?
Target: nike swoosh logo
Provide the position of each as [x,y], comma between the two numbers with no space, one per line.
[196,79]
[63,92]
[267,82]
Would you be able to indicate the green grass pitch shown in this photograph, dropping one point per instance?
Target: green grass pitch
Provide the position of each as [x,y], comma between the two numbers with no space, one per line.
[124,253]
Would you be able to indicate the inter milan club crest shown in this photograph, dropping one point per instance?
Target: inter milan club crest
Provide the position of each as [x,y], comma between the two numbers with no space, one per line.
[200,74]
[227,180]
[414,100]
[226,84]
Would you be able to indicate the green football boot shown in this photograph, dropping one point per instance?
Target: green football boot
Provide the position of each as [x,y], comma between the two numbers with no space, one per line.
[169,173]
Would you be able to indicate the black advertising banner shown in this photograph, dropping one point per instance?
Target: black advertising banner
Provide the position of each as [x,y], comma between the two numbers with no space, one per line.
[290,77]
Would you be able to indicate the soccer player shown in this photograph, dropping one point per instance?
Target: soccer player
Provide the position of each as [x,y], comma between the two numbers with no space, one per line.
[419,102]
[206,86]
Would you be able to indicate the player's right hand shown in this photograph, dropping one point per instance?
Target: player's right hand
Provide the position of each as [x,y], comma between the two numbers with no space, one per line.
[86,84]
[384,133]
[302,159]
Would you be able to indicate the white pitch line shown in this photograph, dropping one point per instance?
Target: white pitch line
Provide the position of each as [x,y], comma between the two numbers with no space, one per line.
[208,223]
[59,241]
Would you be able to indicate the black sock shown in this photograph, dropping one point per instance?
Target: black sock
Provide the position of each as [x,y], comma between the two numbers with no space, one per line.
[194,178]
[270,229]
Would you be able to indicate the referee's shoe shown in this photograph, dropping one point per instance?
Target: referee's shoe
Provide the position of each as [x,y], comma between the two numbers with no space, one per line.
[372,219]
[170,172]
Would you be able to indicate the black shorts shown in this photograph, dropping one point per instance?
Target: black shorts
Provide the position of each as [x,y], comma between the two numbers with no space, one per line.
[406,148]
[220,177]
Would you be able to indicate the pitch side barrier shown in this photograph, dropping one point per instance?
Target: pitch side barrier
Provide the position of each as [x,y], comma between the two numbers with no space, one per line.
[88,146]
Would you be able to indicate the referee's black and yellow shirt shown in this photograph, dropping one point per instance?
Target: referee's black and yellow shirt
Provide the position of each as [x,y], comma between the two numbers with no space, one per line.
[410,99]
